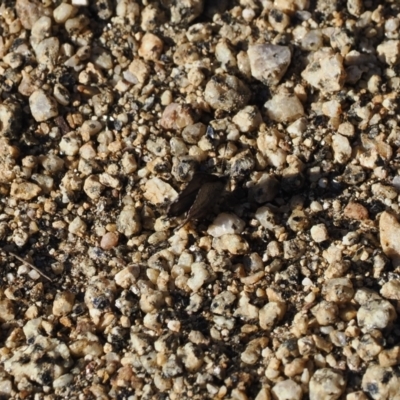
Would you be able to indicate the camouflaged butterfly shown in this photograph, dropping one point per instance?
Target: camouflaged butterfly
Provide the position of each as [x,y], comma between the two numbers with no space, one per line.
[199,197]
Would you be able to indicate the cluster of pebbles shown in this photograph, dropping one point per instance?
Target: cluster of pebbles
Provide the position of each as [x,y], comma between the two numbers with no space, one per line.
[289,288]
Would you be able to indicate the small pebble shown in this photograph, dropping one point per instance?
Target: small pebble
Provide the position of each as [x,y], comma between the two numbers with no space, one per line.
[319,233]
[151,47]
[380,382]
[199,276]
[356,211]
[77,226]
[284,107]
[63,303]
[226,92]
[7,312]
[233,243]
[271,314]
[326,384]
[391,290]
[226,224]
[248,119]
[25,190]
[341,148]
[109,241]
[326,72]
[158,192]
[176,116]
[376,314]
[389,230]
[338,290]
[287,389]
[269,62]
[42,105]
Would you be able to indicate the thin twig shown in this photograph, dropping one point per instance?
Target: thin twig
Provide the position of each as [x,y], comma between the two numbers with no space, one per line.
[31,265]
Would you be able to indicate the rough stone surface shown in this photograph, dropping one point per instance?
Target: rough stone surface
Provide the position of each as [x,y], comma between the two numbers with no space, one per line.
[42,105]
[284,107]
[389,229]
[269,62]
[199,199]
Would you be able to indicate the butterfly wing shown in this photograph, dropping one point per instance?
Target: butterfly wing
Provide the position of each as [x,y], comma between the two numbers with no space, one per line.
[188,195]
[207,197]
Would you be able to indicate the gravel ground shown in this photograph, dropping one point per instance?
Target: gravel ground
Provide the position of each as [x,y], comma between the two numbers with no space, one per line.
[199,199]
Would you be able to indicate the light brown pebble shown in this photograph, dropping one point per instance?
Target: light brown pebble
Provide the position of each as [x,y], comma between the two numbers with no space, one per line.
[325,312]
[295,367]
[253,350]
[192,134]
[25,190]
[85,347]
[199,276]
[233,243]
[383,191]
[28,12]
[42,105]
[299,221]
[264,190]
[226,92]
[326,384]
[279,20]
[63,303]
[7,312]
[128,222]
[325,72]
[157,191]
[226,223]
[186,54]
[184,12]
[389,357]
[139,72]
[357,211]
[389,51]
[222,302]
[127,277]
[162,383]
[284,107]
[248,119]
[376,314]
[109,241]
[341,148]
[92,187]
[151,301]
[271,314]
[269,62]
[319,233]
[391,290]
[151,47]
[338,290]
[47,52]
[380,382]
[63,381]
[192,357]
[90,128]
[245,310]
[389,230]
[264,393]
[357,396]
[109,180]
[176,116]
[52,163]
[199,32]
[63,12]
[70,144]
[287,389]
[77,226]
